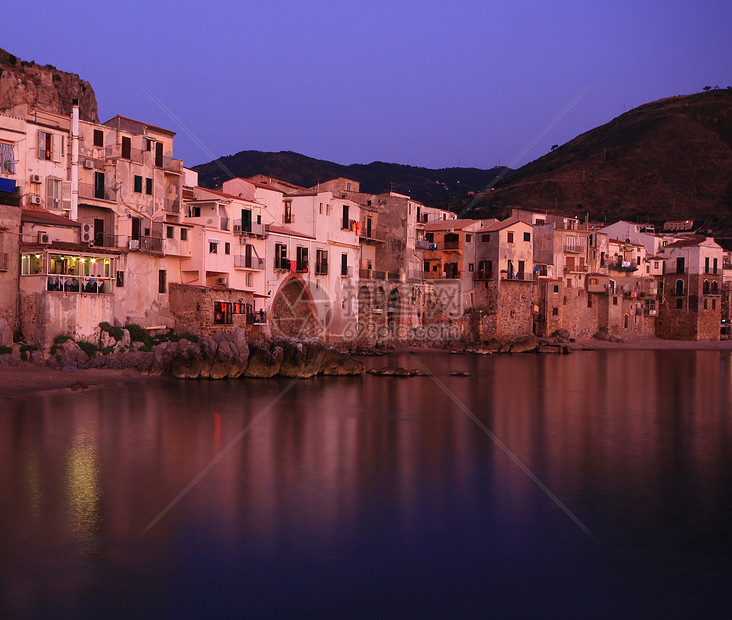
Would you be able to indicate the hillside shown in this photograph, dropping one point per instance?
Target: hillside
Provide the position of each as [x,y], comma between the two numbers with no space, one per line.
[669,159]
[27,83]
[433,187]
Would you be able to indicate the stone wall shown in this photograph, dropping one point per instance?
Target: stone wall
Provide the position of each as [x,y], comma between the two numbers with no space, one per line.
[193,309]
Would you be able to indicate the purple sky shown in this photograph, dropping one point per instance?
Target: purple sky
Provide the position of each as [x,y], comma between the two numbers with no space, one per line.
[435,84]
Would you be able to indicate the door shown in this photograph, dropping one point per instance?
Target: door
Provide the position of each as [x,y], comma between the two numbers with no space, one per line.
[246,220]
[99,231]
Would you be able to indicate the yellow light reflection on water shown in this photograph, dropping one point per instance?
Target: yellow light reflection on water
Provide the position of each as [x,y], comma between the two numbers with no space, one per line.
[83,487]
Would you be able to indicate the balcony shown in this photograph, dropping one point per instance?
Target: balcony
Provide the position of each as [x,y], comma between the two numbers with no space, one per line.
[148,244]
[423,244]
[371,236]
[623,265]
[114,151]
[571,248]
[224,223]
[249,262]
[89,190]
[520,276]
[172,165]
[482,275]
[251,228]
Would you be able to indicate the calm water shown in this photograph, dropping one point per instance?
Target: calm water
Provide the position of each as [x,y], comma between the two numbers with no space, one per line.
[378,497]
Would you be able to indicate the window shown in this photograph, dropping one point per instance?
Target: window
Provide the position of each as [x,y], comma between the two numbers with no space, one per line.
[148,144]
[321,209]
[227,248]
[429,237]
[45,145]
[138,184]
[281,261]
[345,223]
[159,154]
[527,236]
[169,232]
[222,313]
[127,148]
[679,287]
[452,241]
[426,267]
[121,279]
[98,137]
[246,220]
[213,247]
[706,264]
[471,267]
[288,212]
[53,193]
[485,238]
[162,277]
[250,279]
[321,262]
[344,263]
[555,311]
[194,212]
[509,237]
[468,238]
[184,234]
[556,288]
[680,264]
[615,301]
[301,254]
[714,304]
[99,185]
[680,303]
[148,187]
[705,304]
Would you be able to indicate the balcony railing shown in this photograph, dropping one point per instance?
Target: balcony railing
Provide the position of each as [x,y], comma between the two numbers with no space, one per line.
[249,262]
[623,265]
[89,190]
[251,229]
[524,276]
[79,284]
[423,244]
[114,151]
[149,244]
[571,248]
[172,165]
[482,275]
[372,235]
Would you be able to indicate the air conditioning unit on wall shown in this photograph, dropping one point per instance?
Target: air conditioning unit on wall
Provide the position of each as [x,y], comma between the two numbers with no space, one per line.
[88,164]
[223,281]
[35,178]
[43,237]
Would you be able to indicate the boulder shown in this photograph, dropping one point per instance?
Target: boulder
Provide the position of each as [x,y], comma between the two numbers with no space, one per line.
[301,359]
[338,364]
[524,344]
[393,371]
[187,361]
[225,353]
[72,356]
[208,348]
[264,360]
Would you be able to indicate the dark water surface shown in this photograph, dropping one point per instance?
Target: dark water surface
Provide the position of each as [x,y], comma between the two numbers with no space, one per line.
[378,497]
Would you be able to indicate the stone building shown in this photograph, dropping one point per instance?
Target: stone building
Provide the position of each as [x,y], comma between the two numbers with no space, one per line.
[690,306]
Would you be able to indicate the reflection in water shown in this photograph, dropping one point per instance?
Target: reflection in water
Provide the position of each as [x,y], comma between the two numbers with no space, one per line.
[351,493]
[83,490]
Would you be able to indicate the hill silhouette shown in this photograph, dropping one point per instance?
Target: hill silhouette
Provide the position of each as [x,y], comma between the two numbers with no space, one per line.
[434,187]
[669,159]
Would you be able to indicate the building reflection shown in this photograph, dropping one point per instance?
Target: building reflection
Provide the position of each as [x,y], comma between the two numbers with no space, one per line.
[337,456]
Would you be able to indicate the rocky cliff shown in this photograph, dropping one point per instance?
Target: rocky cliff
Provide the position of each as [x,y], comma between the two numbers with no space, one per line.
[27,83]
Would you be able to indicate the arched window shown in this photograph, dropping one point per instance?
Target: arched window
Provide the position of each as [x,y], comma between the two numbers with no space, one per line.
[705,287]
[679,287]
[715,288]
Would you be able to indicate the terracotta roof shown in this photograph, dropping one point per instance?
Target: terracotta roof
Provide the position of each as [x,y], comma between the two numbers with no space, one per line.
[447,224]
[41,216]
[691,241]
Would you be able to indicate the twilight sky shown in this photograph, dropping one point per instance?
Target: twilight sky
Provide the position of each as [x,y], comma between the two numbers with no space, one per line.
[428,83]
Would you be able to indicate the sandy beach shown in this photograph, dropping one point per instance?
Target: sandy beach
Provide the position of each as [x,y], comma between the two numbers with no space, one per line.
[23,380]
